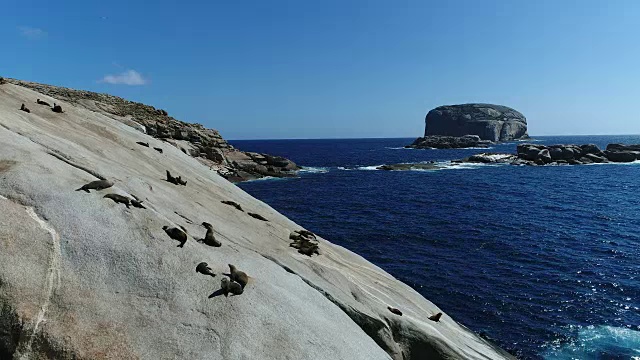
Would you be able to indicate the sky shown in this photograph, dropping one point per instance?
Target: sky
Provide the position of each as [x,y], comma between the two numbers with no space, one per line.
[338,68]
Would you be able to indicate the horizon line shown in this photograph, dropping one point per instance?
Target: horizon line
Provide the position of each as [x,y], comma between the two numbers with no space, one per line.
[407,137]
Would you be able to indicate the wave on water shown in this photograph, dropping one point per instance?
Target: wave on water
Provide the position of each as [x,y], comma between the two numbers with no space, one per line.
[597,342]
[314,170]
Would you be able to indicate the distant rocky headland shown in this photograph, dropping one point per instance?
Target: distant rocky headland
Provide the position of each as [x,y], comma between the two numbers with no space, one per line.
[471,125]
[206,145]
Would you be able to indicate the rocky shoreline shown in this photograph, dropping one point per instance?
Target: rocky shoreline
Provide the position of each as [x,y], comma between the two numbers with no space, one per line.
[542,155]
[206,145]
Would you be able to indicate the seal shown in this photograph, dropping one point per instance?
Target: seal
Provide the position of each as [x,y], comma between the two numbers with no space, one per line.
[42,102]
[394,310]
[230,287]
[175,180]
[435,317]
[25,109]
[238,276]
[176,234]
[119,199]
[142,143]
[158,149]
[56,108]
[136,202]
[96,185]
[232,203]
[209,238]
[257,216]
[204,269]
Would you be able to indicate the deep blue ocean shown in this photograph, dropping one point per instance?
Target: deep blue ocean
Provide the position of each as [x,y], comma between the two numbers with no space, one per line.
[544,261]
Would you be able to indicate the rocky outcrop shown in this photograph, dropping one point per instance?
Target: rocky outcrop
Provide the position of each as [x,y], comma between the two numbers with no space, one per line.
[448,142]
[534,154]
[489,122]
[206,145]
[409,166]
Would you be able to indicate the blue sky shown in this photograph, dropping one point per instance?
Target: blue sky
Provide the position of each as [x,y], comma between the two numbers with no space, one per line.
[339,69]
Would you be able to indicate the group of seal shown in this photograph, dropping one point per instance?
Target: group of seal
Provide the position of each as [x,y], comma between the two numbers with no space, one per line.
[55,108]
[435,317]
[235,284]
[175,180]
[305,241]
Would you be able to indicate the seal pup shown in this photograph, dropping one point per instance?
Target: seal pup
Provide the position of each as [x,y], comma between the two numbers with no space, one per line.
[158,150]
[394,310]
[56,108]
[204,269]
[435,317]
[232,203]
[209,238]
[176,234]
[230,287]
[25,109]
[96,185]
[257,216]
[42,102]
[142,143]
[238,276]
[119,199]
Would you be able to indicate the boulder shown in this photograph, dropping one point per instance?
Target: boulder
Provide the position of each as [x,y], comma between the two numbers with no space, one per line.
[595,158]
[591,149]
[621,156]
[489,122]
[544,156]
[622,147]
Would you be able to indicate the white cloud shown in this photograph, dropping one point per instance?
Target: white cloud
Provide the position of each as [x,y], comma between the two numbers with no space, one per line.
[129,77]
[32,33]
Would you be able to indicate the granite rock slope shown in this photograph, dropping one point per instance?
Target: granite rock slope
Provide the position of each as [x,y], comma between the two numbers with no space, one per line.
[83,277]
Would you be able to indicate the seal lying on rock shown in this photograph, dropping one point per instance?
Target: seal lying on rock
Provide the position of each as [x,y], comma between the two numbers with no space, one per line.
[230,287]
[394,310]
[119,199]
[176,234]
[56,108]
[203,268]
[232,203]
[238,276]
[209,239]
[96,185]
[175,180]
[435,317]
[42,102]
[136,202]
[257,216]
[142,143]
[158,149]
[25,109]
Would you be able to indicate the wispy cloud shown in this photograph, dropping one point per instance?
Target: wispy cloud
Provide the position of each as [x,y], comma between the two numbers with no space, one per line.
[32,33]
[129,77]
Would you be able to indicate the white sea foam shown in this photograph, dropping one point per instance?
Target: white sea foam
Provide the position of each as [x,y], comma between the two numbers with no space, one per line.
[593,340]
[314,170]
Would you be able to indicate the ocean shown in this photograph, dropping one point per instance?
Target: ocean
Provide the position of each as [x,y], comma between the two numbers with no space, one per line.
[543,261]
